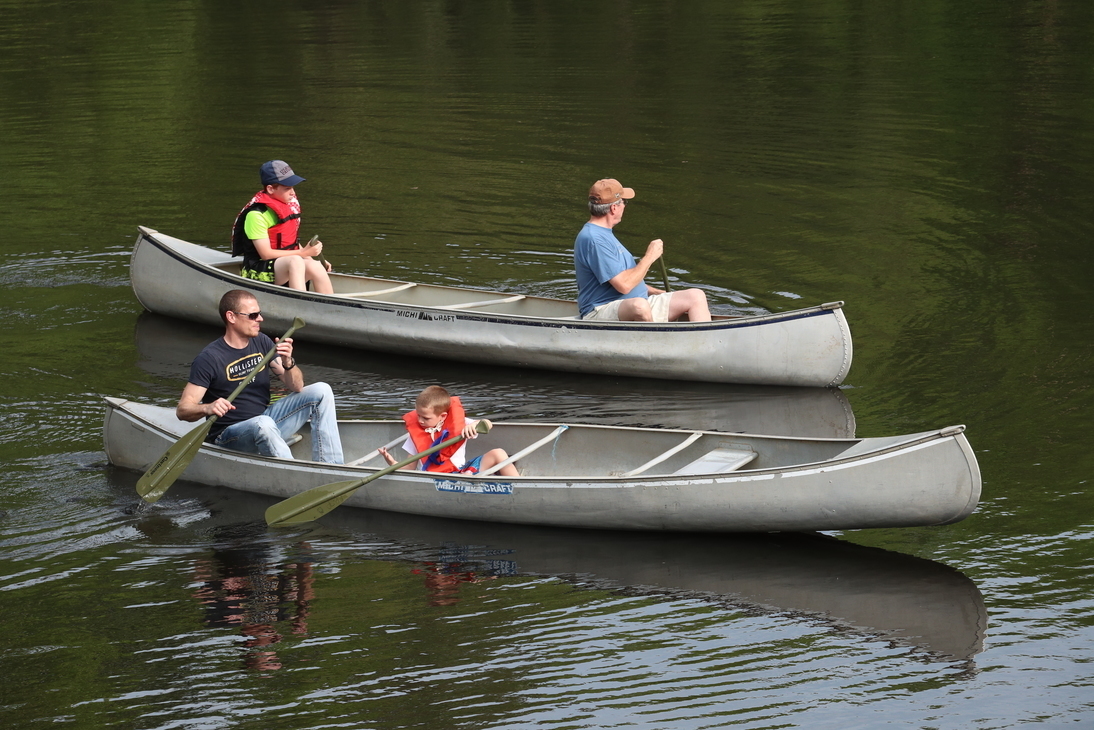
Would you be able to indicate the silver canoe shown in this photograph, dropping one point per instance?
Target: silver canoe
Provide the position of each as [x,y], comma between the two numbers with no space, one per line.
[804,347]
[612,477]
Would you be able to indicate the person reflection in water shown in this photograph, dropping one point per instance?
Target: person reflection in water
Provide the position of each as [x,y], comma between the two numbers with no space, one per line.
[238,591]
[442,581]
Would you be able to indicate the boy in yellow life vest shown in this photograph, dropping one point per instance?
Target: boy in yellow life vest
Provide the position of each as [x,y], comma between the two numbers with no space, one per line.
[437,417]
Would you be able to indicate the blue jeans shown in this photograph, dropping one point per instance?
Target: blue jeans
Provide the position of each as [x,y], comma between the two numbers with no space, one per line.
[266,434]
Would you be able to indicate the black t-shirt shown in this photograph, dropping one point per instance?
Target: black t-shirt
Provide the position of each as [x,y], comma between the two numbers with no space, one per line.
[220,368]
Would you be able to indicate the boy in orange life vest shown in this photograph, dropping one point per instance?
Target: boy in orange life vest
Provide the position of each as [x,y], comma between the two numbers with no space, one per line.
[266,232]
[437,417]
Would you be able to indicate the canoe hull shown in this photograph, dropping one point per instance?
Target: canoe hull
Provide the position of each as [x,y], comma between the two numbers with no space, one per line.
[923,479]
[807,347]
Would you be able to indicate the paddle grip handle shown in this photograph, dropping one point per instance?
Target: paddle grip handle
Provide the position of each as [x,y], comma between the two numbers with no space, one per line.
[321,259]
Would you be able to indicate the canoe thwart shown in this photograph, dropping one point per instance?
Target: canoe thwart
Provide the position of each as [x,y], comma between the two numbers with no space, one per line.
[376,452]
[485,302]
[378,292]
[718,461]
[524,452]
[661,457]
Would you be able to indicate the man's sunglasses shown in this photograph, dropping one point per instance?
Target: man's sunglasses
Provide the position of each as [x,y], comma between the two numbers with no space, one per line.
[250,315]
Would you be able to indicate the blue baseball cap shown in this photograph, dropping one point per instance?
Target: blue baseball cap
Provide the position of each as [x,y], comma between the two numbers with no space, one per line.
[278,172]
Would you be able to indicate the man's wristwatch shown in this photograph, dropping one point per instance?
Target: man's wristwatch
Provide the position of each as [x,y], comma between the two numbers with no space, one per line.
[288,367]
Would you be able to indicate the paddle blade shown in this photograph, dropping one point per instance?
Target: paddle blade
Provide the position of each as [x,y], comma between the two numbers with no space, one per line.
[311,505]
[314,503]
[158,479]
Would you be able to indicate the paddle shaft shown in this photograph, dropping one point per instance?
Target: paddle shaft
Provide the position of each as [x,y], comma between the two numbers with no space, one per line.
[664,274]
[314,500]
[174,461]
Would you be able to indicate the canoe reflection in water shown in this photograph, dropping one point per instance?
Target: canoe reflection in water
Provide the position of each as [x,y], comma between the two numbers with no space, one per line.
[368,385]
[241,586]
[907,601]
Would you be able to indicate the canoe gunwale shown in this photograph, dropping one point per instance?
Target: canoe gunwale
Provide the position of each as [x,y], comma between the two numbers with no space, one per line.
[348,300]
[913,440]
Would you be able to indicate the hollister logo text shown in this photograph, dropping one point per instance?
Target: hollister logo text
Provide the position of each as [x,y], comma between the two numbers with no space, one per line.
[241,368]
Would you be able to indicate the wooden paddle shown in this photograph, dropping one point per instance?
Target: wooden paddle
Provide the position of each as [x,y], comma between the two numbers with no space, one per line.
[158,479]
[311,505]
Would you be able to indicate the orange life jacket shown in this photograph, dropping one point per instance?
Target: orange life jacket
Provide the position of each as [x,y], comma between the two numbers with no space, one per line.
[440,461]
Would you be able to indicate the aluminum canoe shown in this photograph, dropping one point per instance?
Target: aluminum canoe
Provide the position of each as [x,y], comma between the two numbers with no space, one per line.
[611,477]
[804,347]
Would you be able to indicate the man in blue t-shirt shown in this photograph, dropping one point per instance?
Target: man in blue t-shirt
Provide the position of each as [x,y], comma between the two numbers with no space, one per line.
[252,423]
[610,281]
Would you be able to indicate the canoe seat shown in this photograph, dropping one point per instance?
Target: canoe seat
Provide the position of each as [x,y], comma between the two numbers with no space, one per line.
[717,461]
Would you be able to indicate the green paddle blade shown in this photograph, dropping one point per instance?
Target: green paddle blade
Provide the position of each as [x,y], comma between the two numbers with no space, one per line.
[311,505]
[314,503]
[157,480]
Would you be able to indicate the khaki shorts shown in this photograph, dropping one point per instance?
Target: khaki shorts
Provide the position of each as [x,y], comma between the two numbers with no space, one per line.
[659,306]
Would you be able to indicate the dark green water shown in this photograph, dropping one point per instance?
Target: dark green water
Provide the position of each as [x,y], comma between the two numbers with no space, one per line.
[930,164]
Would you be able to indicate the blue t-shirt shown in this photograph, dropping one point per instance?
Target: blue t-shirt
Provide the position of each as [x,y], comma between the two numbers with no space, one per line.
[220,368]
[598,257]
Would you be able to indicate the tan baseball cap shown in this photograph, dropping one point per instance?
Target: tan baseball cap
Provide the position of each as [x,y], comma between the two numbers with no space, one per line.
[609,190]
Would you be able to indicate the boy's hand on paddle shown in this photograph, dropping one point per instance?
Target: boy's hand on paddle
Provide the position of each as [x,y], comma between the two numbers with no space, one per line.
[470,429]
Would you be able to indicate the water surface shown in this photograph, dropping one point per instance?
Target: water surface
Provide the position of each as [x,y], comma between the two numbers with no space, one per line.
[928,165]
